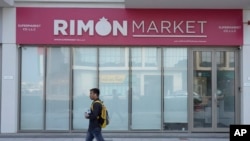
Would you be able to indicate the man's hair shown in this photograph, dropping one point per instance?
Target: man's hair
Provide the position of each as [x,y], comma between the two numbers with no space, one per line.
[96,91]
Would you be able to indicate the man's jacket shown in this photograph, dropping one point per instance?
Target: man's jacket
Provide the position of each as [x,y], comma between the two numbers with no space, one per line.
[94,121]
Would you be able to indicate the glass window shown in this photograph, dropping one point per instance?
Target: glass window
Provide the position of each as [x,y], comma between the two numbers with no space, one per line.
[152,90]
[32,79]
[225,96]
[111,57]
[84,78]
[175,89]
[202,92]
[85,57]
[151,57]
[146,91]
[113,83]
[57,89]
[204,58]
[220,57]
[137,57]
[231,59]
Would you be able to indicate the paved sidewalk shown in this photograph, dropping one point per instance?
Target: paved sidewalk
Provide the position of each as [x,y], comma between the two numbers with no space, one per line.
[117,137]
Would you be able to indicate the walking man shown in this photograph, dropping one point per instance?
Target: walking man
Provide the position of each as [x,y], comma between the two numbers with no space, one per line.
[94,130]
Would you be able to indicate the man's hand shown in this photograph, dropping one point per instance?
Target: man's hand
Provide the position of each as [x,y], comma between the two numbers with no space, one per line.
[86,115]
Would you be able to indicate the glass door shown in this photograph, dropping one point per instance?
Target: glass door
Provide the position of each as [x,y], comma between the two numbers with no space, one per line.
[214,90]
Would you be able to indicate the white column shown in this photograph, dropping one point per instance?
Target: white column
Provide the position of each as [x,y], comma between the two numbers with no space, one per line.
[245,54]
[1,21]
[9,98]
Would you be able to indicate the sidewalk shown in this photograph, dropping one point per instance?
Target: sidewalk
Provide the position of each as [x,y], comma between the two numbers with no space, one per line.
[117,137]
[114,139]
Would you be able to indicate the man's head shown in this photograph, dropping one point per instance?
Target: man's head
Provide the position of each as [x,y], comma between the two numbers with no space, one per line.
[94,93]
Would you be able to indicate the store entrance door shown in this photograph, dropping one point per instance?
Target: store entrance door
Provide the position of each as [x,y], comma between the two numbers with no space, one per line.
[214,89]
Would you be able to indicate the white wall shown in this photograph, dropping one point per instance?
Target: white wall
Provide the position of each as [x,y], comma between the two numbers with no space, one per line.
[1,27]
[245,54]
[9,98]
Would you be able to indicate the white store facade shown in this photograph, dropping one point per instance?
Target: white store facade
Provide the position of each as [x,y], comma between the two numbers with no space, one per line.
[161,67]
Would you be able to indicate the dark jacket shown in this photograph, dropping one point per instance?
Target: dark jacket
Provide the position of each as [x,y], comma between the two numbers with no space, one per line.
[94,121]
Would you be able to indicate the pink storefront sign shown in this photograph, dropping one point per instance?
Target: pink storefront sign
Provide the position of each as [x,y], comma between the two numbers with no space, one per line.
[114,26]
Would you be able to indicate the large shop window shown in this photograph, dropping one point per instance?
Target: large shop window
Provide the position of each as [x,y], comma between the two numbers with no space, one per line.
[144,88]
[113,74]
[175,89]
[84,78]
[32,88]
[57,89]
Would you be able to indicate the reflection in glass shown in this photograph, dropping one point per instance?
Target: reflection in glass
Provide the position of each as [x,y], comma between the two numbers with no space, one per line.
[137,57]
[57,89]
[85,57]
[220,58]
[205,59]
[108,69]
[202,89]
[113,83]
[146,89]
[175,89]
[225,90]
[151,59]
[231,59]
[32,88]
[111,57]
[84,78]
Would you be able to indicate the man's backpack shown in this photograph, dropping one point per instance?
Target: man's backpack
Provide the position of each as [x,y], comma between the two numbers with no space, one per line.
[104,114]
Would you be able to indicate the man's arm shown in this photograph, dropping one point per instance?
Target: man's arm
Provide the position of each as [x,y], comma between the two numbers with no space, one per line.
[96,111]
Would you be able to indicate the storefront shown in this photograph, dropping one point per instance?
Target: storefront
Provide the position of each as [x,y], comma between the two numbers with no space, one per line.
[177,71]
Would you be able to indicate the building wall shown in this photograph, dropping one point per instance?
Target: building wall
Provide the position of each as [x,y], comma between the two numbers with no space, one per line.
[245,95]
[1,21]
[1,26]
[9,91]
[9,103]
